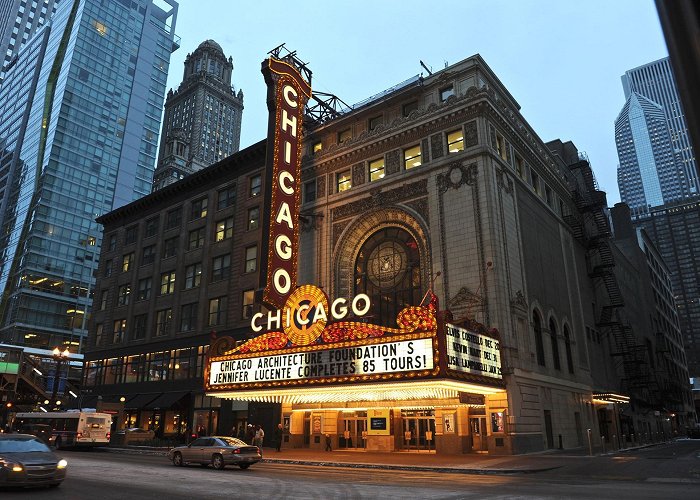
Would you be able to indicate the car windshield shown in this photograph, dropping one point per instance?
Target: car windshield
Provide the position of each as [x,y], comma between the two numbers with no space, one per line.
[21,445]
[232,441]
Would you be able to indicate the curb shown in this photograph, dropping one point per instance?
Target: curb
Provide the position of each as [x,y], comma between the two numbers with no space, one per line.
[351,465]
[418,468]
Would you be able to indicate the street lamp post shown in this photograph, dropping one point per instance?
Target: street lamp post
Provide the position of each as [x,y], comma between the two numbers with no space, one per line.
[59,357]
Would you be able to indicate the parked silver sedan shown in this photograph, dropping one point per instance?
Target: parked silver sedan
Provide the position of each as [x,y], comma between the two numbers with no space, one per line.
[219,451]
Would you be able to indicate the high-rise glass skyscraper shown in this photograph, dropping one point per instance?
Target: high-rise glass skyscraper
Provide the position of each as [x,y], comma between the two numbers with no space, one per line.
[649,173]
[655,81]
[657,178]
[19,20]
[98,72]
[202,120]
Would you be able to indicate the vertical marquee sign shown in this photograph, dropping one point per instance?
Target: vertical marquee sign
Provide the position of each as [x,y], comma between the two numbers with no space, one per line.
[287,93]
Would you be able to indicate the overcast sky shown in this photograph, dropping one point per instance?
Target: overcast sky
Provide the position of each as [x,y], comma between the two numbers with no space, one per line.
[561,59]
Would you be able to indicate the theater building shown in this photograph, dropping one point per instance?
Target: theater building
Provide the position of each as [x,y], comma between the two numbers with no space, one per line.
[437,186]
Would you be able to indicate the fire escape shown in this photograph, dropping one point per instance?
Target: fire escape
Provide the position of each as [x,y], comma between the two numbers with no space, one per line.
[592,227]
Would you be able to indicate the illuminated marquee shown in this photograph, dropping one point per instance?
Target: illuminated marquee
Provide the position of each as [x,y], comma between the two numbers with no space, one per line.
[472,353]
[341,361]
[287,96]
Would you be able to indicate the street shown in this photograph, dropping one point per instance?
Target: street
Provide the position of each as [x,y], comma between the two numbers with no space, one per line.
[665,471]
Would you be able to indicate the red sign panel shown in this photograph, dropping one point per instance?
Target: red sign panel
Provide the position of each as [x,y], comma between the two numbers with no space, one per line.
[286,97]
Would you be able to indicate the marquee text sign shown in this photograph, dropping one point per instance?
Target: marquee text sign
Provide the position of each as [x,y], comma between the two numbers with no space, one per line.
[345,362]
[287,96]
[472,353]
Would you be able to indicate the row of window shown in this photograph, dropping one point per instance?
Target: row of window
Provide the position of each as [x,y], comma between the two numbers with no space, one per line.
[373,122]
[188,320]
[220,270]
[179,364]
[198,209]
[539,343]
[376,169]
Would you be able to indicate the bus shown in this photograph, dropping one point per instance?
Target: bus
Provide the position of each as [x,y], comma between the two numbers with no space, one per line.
[69,429]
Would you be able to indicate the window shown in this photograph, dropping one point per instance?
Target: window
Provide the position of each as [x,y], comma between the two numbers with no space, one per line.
[103,300]
[254,186]
[555,344]
[221,267]
[537,328]
[167,283]
[173,218]
[148,255]
[170,247]
[317,147]
[112,242]
[127,262]
[446,92]
[455,141]
[188,317]
[251,259]
[253,218]
[374,122]
[144,291]
[108,268]
[130,235]
[548,195]
[99,332]
[123,296]
[409,107]
[535,180]
[151,227]
[217,311]
[343,181]
[411,157]
[196,239]
[224,229]
[309,191]
[501,147]
[118,331]
[519,166]
[199,208]
[248,300]
[138,331]
[567,346]
[344,135]
[226,197]
[376,170]
[164,318]
[193,275]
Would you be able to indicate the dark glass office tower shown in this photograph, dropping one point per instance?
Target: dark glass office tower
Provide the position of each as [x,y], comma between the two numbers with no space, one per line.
[88,147]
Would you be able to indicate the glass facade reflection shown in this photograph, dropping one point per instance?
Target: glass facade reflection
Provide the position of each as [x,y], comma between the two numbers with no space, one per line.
[649,173]
[89,147]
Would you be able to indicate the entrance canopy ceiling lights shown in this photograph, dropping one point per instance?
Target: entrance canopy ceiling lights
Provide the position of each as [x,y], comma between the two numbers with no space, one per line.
[414,390]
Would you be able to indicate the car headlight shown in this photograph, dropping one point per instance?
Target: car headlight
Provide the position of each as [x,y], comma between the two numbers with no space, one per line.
[62,464]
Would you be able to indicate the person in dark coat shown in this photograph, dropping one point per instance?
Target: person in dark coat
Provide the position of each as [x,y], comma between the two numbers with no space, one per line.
[278,437]
[250,435]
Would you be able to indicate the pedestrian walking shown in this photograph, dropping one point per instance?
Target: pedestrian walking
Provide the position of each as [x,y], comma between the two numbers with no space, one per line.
[250,435]
[328,443]
[259,437]
[278,437]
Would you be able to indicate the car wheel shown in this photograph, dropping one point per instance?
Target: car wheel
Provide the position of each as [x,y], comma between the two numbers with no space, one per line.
[244,466]
[177,459]
[217,461]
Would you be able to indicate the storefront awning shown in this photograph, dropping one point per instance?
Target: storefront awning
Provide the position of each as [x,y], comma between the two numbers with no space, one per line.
[399,391]
[141,400]
[165,400]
